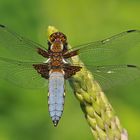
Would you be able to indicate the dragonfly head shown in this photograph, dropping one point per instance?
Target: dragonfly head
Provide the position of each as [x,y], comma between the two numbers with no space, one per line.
[58,42]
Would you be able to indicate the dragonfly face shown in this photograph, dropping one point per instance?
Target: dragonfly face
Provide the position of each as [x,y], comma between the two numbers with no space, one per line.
[30,65]
[58,42]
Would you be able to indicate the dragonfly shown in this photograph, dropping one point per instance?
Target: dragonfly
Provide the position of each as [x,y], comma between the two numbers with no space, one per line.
[29,64]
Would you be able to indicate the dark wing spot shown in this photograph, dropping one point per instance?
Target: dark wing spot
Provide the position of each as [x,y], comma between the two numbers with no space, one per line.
[132,66]
[2,26]
[129,31]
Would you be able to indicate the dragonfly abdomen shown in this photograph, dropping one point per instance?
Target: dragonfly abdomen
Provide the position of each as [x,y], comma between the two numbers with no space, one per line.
[56,96]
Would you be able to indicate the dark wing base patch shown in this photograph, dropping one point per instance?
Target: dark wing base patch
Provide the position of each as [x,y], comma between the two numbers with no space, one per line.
[43,52]
[71,70]
[42,69]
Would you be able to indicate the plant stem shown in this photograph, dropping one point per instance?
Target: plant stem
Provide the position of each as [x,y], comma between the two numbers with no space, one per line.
[99,113]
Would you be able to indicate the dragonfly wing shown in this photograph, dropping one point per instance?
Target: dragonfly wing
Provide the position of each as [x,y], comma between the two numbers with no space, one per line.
[17,47]
[21,73]
[96,52]
[111,75]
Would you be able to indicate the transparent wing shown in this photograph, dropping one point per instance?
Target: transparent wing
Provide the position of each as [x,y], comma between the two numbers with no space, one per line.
[108,48]
[16,47]
[21,73]
[111,75]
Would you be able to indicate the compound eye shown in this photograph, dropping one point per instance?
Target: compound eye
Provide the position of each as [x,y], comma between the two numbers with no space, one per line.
[52,39]
[63,39]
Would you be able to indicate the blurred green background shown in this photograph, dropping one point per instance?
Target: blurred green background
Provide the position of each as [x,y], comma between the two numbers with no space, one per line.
[24,113]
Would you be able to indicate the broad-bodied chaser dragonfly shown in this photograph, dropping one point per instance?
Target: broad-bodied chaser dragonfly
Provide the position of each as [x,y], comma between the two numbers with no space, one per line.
[30,64]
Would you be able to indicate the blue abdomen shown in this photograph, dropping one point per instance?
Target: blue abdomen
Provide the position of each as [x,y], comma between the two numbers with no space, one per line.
[56,96]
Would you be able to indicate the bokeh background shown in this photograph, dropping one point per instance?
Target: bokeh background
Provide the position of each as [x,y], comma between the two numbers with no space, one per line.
[24,113]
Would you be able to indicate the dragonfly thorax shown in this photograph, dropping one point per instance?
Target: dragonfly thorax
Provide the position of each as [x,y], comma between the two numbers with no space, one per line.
[57,46]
